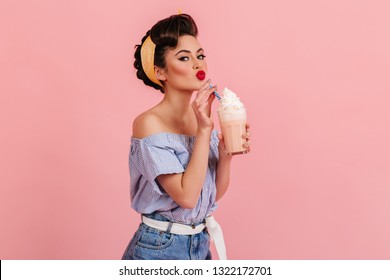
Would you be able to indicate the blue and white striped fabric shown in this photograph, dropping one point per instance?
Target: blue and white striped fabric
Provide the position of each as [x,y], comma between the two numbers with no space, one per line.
[168,153]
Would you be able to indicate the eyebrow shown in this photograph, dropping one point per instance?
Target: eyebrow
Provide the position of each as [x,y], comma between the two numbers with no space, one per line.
[187,51]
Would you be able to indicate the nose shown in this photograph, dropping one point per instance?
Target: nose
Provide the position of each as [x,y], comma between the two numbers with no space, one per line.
[196,65]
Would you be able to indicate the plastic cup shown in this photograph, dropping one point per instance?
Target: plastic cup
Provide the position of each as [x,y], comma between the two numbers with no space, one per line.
[233,126]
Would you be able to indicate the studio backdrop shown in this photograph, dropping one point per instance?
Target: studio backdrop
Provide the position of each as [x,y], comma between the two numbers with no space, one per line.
[314,76]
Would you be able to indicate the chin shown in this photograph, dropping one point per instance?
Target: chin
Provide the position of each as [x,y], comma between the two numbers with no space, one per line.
[193,86]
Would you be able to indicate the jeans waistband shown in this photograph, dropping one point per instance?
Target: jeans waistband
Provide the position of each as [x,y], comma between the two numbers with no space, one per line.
[212,226]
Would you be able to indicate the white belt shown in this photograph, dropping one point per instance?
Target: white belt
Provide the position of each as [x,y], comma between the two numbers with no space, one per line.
[213,228]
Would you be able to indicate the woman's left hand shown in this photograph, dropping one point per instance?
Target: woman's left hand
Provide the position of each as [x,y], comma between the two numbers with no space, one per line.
[247,137]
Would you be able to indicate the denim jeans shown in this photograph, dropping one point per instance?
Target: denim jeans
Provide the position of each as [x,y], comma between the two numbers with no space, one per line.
[151,244]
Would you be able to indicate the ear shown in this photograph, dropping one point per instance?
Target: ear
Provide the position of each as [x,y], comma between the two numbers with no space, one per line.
[160,73]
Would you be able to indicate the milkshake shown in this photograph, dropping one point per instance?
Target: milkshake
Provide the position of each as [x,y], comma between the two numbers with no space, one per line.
[232,119]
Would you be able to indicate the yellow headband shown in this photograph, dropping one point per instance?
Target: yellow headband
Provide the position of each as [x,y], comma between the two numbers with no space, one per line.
[147,60]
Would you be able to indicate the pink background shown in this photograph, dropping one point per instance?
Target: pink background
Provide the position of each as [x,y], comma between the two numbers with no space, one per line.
[313,74]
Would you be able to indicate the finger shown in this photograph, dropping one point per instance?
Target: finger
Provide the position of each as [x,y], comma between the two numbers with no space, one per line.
[204,109]
[204,94]
[199,103]
[200,99]
[213,88]
[201,108]
[247,144]
[205,85]
[247,126]
[212,95]
[246,148]
[206,98]
[210,101]
[209,88]
[246,135]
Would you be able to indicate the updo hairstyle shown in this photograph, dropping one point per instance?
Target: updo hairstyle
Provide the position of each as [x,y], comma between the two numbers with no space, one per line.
[165,34]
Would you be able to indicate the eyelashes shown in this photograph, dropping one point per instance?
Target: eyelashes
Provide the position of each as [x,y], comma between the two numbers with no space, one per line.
[186,58]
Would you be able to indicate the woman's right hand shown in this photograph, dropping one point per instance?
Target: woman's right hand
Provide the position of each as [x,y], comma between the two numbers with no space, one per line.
[202,106]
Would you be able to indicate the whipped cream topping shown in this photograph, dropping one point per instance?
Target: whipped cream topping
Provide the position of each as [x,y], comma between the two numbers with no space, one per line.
[230,101]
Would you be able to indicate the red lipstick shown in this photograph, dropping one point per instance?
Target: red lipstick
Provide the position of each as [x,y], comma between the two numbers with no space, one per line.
[201,75]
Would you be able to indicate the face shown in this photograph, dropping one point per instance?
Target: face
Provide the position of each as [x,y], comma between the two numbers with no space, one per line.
[183,64]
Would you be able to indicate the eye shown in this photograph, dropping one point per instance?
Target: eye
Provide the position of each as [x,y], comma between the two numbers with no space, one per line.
[184,58]
[201,56]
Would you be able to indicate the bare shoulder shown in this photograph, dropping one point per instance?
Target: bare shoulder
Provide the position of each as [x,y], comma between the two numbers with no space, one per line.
[147,124]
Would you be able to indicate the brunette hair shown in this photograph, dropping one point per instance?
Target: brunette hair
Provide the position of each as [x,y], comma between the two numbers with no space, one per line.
[165,34]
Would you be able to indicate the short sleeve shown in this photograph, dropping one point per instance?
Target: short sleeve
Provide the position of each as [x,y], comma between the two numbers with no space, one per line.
[168,153]
[153,159]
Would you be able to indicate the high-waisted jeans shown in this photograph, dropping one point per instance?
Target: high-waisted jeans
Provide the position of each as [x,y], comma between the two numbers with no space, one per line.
[151,244]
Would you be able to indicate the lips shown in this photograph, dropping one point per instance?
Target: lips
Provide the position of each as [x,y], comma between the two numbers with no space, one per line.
[201,75]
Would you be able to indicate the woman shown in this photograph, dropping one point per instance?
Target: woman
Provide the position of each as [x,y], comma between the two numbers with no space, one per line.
[178,166]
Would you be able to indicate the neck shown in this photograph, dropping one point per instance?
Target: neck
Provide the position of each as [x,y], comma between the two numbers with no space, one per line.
[177,103]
